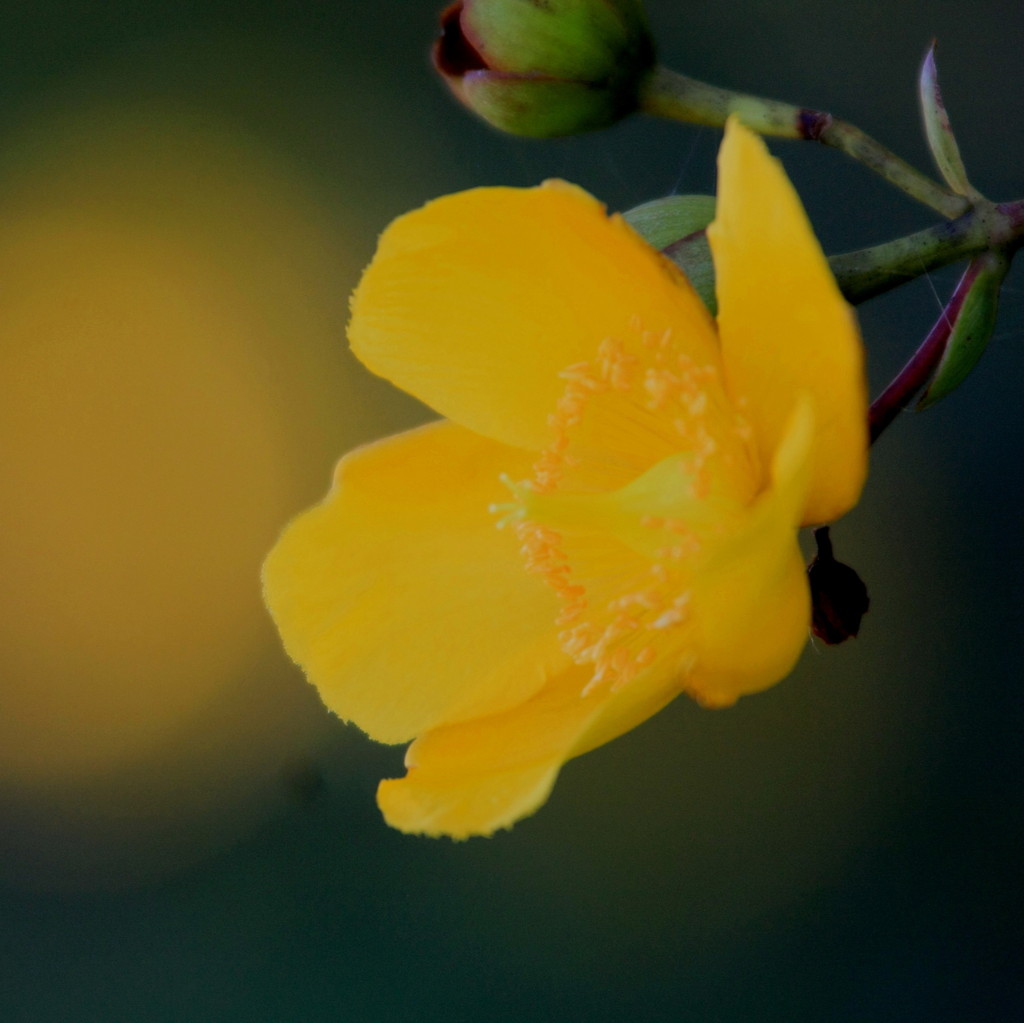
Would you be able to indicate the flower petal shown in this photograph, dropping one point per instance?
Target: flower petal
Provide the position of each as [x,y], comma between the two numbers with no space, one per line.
[783,324]
[752,599]
[477,777]
[481,775]
[404,603]
[476,302]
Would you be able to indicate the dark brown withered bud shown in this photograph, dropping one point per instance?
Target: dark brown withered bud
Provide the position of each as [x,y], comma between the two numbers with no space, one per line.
[839,598]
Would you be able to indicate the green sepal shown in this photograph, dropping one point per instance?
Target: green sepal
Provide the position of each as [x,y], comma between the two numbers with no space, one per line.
[693,256]
[676,225]
[661,222]
[972,328]
[537,107]
[939,132]
[573,40]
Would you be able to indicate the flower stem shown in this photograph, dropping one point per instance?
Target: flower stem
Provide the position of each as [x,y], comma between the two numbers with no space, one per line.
[869,272]
[923,363]
[823,541]
[668,94]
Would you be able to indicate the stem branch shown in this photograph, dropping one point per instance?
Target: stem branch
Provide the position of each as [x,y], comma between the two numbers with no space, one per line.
[669,94]
[869,272]
[921,365]
[849,139]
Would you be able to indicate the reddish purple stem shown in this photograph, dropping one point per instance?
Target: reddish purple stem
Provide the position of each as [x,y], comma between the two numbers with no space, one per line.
[923,363]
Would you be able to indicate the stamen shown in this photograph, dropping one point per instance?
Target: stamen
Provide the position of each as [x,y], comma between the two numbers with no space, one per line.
[510,512]
[622,574]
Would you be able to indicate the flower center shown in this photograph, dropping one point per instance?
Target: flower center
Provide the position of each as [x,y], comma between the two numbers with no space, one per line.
[649,465]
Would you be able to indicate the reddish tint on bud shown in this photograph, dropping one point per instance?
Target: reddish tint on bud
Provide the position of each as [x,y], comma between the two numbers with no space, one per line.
[454,55]
[839,599]
[545,67]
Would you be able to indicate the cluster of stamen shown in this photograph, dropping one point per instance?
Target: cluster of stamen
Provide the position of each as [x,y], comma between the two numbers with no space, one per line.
[612,370]
[624,622]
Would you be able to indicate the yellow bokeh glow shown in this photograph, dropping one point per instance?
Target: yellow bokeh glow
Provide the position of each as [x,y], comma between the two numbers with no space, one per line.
[162,309]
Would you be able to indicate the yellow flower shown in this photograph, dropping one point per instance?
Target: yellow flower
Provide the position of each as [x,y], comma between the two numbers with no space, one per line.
[650,469]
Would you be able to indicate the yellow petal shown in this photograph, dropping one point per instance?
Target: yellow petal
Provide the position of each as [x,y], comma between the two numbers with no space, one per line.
[481,775]
[400,598]
[784,327]
[477,777]
[752,600]
[686,579]
[476,302]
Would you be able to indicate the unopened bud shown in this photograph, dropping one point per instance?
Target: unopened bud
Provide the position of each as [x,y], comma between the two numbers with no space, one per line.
[839,599]
[973,314]
[545,67]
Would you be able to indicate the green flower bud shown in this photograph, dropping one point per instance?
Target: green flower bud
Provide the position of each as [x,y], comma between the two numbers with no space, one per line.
[545,67]
[974,322]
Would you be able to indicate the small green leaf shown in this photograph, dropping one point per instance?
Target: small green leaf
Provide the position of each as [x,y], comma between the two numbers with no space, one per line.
[663,222]
[972,329]
[939,132]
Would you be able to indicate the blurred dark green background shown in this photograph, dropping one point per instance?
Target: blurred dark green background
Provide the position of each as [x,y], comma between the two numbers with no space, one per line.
[187,193]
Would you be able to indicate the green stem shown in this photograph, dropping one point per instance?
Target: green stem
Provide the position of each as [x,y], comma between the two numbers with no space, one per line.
[668,94]
[868,272]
